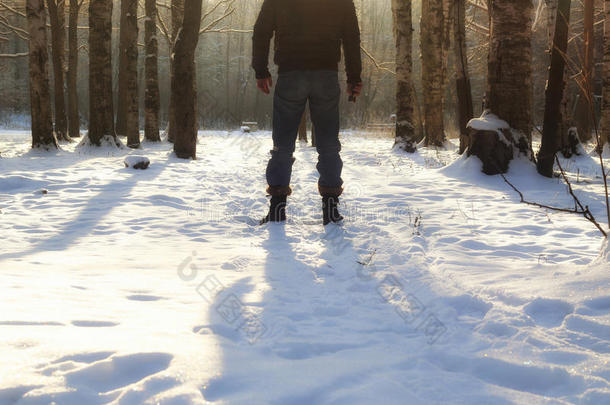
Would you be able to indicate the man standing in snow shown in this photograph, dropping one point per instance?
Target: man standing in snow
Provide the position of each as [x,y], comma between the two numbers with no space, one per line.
[308,38]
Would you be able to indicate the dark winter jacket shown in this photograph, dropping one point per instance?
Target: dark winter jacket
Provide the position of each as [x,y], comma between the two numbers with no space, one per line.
[308,36]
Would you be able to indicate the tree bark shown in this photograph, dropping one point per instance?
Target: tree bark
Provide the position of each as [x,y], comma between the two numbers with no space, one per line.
[40,97]
[432,71]
[555,92]
[101,115]
[177,19]
[73,113]
[605,133]
[509,81]
[465,109]
[586,104]
[128,112]
[183,82]
[58,39]
[406,138]
[151,98]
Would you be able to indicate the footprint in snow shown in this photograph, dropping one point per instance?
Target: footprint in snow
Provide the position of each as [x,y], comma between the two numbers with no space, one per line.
[548,312]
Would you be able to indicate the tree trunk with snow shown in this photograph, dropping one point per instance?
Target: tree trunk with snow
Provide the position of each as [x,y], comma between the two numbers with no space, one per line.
[101,115]
[177,19]
[58,39]
[72,82]
[40,97]
[551,135]
[403,35]
[465,110]
[183,82]
[151,98]
[509,81]
[605,133]
[432,71]
[128,111]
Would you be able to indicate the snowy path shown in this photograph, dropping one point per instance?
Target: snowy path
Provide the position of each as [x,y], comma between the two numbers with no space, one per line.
[130,287]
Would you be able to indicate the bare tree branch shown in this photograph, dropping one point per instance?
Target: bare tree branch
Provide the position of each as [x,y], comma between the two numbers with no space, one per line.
[14,55]
[377,64]
[13,10]
[579,208]
[211,25]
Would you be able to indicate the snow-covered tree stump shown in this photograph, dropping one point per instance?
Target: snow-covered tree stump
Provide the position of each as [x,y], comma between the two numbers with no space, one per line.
[493,142]
[137,162]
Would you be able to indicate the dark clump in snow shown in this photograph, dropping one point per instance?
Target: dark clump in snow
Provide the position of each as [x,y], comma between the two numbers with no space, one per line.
[495,143]
[137,162]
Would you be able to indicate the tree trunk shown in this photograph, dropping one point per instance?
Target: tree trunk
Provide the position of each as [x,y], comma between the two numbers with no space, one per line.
[58,39]
[40,97]
[101,115]
[586,103]
[406,138]
[151,98]
[183,82]
[605,133]
[565,122]
[465,110]
[177,19]
[509,82]
[432,71]
[73,114]
[448,17]
[128,112]
[555,91]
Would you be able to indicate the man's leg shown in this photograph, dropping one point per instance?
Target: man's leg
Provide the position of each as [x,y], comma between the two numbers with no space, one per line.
[324,106]
[289,102]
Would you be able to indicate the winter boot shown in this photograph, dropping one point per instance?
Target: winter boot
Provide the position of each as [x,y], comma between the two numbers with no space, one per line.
[330,213]
[277,207]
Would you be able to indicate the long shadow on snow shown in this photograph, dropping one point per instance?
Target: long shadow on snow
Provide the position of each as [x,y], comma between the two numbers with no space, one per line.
[110,197]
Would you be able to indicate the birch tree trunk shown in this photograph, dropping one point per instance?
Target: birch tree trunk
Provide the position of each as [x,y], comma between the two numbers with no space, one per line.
[151,97]
[128,113]
[183,82]
[101,115]
[555,91]
[432,71]
[40,97]
[73,113]
[403,35]
[177,19]
[605,133]
[509,81]
[462,81]
[58,40]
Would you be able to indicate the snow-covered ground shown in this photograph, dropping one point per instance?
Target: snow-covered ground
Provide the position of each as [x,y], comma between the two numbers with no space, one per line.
[153,286]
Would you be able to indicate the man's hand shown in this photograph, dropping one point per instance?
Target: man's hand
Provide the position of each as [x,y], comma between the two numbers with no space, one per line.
[265,84]
[354,90]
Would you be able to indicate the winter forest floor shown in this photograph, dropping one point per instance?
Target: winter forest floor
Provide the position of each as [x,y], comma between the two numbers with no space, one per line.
[154,287]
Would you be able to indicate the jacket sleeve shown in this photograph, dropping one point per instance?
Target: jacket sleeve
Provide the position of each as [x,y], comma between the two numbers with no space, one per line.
[263,32]
[351,43]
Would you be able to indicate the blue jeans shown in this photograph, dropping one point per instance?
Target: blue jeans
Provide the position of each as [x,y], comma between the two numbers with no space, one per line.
[293,89]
